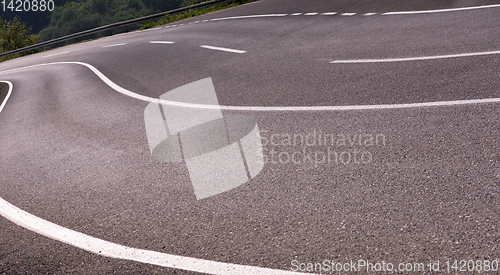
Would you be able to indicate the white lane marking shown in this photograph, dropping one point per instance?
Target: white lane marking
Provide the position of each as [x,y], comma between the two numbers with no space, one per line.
[369,13]
[126,92]
[7,96]
[329,13]
[113,250]
[311,13]
[55,54]
[114,45]
[205,21]
[350,61]
[222,49]
[197,22]
[295,14]
[442,10]
[105,248]
[249,16]
[348,14]
[161,42]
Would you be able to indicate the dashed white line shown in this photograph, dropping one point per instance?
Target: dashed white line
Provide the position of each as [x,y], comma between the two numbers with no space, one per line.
[369,13]
[196,22]
[311,13]
[114,45]
[248,16]
[205,21]
[348,14]
[419,58]
[442,10]
[161,42]
[295,14]
[222,49]
[329,13]
[55,54]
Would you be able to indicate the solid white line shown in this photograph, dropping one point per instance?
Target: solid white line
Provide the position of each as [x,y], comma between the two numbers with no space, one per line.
[369,13]
[7,96]
[329,13]
[105,248]
[161,42]
[113,250]
[348,14]
[55,54]
[350,61]
[311,13]
[249,16]
[126,92]
[441,10]
[222,49]
[114,45]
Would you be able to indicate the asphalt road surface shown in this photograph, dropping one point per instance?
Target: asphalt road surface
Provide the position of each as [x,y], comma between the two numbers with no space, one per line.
[379,131]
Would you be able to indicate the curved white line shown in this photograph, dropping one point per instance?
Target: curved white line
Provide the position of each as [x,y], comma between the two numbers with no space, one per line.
[126,92]
[113,250]
[418,58]
[441,10]
[7,96]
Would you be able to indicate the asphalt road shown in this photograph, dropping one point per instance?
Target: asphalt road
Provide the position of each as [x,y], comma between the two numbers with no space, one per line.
[427,186]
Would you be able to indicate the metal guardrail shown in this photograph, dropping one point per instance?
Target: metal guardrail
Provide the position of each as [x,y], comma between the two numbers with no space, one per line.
[115,25]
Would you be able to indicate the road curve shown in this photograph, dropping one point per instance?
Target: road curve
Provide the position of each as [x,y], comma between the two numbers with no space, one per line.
[366,184]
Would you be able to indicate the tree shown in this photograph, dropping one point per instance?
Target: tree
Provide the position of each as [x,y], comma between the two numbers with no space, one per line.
[15,35]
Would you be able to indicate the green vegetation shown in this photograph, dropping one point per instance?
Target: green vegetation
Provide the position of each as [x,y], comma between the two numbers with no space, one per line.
[192,13]
[15,35]
[72,16]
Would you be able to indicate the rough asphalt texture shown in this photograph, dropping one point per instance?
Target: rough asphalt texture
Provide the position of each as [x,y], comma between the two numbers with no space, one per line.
[74,152]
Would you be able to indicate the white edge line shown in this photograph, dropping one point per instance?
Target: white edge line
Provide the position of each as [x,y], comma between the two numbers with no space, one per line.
[441,10]
[249,16]
[114,45]
[109,249]
[55,54]
[113,250]
[161,42]
[8,94]
[265,108]
[419,58]
[222,49]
